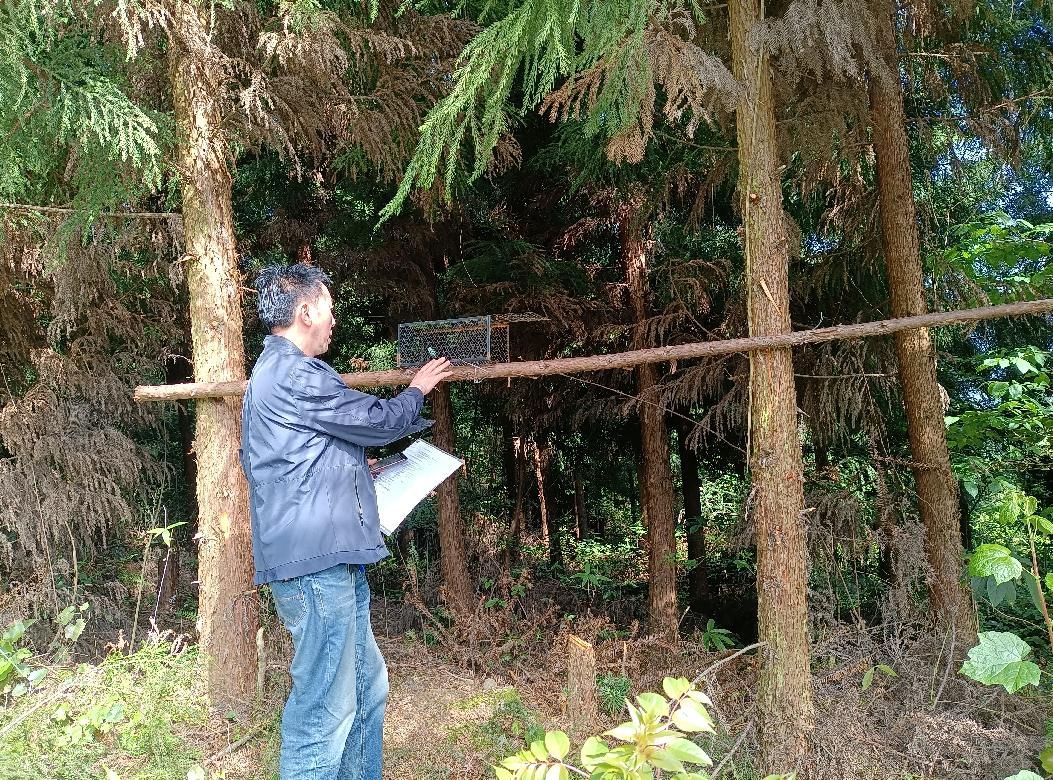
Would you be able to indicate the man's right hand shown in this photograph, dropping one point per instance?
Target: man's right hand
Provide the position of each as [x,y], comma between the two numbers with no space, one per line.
[430,374]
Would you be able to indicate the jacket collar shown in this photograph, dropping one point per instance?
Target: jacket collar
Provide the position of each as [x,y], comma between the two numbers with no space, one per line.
[281,344]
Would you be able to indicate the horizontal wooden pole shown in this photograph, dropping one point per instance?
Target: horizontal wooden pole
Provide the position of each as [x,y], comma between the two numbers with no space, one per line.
[535,368]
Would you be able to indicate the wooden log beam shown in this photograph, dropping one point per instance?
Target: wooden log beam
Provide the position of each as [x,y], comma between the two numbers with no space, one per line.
[534,368]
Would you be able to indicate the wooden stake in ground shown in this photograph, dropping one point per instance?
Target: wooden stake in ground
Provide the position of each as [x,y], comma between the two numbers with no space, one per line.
[581,686]
[227,608]
[776,499]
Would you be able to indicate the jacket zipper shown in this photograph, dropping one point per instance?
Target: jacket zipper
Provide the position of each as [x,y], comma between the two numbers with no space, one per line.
[358,498]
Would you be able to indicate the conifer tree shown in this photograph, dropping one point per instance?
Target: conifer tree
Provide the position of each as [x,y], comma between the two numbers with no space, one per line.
[776,465]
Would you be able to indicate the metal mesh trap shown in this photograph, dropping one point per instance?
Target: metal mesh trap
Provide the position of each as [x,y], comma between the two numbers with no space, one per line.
[465,340]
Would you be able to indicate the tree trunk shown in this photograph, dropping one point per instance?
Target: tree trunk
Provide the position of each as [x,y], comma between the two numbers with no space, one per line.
[227,609]
[455,580]
[177,371]
[581,515]
[539,476]
[937,489]
[656,480]
[515,445]
[786,711]
[698,578]
[549,517]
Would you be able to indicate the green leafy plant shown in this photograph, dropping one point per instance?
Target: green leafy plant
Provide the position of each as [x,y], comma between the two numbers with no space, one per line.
[13,657]
[654,739]
[868,675]
[612,690]
[1000,659]
[716,639]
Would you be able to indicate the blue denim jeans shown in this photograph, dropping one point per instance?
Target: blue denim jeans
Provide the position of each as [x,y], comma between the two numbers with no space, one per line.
[333,723]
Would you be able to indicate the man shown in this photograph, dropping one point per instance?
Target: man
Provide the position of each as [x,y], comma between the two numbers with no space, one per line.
[315,525]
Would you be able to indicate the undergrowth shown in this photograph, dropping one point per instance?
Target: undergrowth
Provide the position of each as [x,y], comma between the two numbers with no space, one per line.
[132,717]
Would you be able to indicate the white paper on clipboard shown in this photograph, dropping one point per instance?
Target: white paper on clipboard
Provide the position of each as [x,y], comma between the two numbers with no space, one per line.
[401,486]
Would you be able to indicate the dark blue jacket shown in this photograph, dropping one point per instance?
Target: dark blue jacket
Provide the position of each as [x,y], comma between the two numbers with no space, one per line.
[303,439]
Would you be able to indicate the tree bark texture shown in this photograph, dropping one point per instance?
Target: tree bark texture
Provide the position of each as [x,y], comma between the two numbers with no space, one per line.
[937,488]
[698,577]
[546,500]
[455,580]
[582,708]
[229,616]
[786,710]
[656,479]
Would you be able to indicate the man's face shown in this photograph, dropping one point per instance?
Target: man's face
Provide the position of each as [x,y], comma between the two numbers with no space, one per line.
[320,322]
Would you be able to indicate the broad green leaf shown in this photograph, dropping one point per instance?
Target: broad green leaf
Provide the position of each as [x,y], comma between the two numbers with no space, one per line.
[888,670]
[1025,774]
[666,761]
[537,747]
[868,678]
[1046,759]
[66,615]
[196,772]
[514,762]
[593,752]
[994,560]
[557,743]
[15,631]
[1023,366]
[502,773]
[690,716]
[626,732]
[1049,580]
[675,687]
[74,630]
[999,660]
[687,751]
[699,697]
[653,705]
[555,772]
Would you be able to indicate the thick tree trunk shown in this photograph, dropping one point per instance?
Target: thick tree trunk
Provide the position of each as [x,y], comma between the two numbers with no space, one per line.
[937,489]
[698,578]
[456,583]
[786,711]
[656,480]
[227,605]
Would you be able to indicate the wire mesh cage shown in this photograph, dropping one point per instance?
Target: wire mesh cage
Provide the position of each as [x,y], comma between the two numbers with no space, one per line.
[463,341]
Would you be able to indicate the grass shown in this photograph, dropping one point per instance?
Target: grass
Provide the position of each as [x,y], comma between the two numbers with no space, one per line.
[129,717]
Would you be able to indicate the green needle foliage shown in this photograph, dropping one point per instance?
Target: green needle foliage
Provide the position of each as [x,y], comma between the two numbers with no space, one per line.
[67,119]
[615,59]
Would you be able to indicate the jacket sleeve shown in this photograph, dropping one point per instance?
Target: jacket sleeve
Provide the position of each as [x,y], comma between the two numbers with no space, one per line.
[333,408]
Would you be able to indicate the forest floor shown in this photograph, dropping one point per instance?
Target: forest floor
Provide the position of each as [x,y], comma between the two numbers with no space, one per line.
[460,703]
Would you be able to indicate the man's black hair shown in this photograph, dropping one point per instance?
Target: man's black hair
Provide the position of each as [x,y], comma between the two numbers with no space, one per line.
[282,288]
